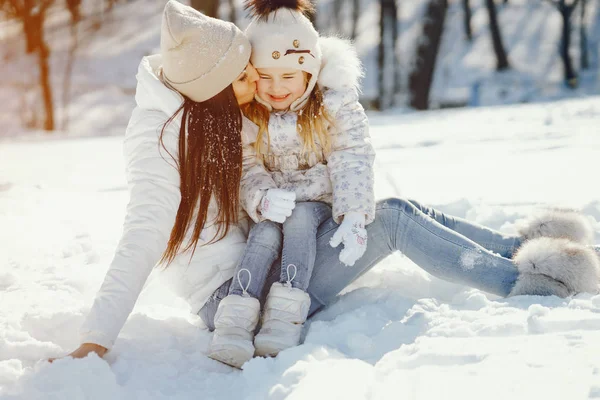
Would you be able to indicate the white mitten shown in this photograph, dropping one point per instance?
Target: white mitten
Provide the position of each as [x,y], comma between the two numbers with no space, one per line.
[353,234]
[277,204]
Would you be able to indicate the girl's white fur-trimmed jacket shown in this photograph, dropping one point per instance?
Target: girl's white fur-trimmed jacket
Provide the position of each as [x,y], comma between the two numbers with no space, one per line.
[344,176]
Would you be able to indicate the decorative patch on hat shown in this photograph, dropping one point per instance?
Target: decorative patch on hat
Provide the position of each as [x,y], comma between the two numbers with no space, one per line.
[291,51]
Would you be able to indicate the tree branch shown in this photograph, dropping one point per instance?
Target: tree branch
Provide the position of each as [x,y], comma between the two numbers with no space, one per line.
[18,8]
[45,5]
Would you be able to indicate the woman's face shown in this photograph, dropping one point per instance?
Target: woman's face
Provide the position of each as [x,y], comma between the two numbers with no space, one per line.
[244,86]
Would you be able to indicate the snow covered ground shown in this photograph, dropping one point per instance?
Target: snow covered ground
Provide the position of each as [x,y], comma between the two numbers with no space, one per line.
[398,333]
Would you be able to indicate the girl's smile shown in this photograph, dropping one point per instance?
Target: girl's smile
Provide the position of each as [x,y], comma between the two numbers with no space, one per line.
[280,87]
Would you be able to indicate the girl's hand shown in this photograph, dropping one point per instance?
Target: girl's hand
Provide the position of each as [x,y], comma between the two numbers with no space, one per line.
[84,350]
[353,235]
[277,204]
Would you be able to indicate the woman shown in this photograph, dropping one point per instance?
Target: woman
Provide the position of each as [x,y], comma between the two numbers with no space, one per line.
[183,152]
[164,197]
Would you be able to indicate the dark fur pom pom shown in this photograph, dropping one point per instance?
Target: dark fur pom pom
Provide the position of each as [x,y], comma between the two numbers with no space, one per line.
[262,8]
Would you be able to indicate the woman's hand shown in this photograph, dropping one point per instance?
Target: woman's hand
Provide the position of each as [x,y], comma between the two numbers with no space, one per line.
[84,350]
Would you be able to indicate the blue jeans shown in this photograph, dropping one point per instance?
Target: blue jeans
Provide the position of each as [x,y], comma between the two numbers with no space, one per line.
[300,242]
[447,247]
[297,256]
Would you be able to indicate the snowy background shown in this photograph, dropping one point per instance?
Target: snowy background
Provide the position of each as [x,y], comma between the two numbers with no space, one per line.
[110,45]
[397,333]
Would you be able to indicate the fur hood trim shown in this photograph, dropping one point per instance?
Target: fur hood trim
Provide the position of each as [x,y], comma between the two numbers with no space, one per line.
[340,67]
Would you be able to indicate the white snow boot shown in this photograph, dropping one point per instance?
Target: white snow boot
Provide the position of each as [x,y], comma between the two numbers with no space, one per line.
[559,223]
[235,322]
[285,312]
[560,267]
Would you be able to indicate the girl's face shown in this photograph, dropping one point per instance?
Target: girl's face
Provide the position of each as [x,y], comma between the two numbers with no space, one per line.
[280,87]
[244,85]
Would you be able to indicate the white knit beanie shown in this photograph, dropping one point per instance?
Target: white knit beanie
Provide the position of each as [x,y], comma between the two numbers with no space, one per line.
[284,38]
[201,56]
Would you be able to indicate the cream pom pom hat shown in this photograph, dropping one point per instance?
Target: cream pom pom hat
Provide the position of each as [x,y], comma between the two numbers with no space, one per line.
[283,37]
[201,56]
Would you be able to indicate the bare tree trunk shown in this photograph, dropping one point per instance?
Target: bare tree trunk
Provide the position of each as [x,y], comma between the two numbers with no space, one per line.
[337,15]
[467,11]
[207,7]
[232,11]
[29,26]
[67,77]
[583,40]
[396,63]
[421,77]
[566,11]
[355,17]
[379,103]
[29,33]
[388,21]
[502,59]
[46,88]
[37,21]
[32,15]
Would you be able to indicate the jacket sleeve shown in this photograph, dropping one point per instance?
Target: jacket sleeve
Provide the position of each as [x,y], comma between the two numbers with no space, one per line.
[153,182]
[351,156]
[256,180]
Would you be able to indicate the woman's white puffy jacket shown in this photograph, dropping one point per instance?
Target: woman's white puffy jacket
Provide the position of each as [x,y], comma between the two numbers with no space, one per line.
[154,200]
[343,177]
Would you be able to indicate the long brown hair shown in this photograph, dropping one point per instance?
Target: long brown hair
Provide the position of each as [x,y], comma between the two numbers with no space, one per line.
[313,123]
[209,165]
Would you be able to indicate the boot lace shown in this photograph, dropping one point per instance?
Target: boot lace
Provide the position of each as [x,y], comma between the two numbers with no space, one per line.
[244,289]
[288,283]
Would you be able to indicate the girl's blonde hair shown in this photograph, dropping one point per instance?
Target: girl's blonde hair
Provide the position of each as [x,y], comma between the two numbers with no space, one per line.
[313,123]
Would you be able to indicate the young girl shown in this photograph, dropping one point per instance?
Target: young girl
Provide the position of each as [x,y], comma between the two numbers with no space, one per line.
[312,155]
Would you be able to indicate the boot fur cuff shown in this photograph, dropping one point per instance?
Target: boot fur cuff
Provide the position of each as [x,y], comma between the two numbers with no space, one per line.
[559,223]
[560,267]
